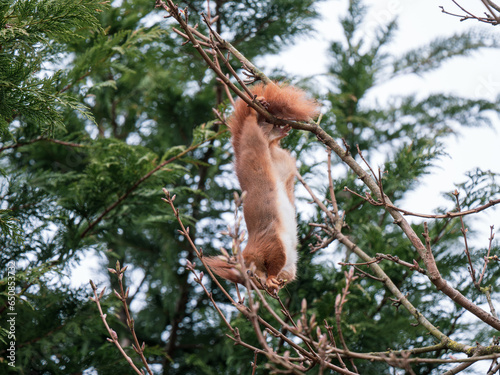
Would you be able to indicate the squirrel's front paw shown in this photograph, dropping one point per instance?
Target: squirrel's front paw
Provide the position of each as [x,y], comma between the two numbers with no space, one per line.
[274,284]
[263,101]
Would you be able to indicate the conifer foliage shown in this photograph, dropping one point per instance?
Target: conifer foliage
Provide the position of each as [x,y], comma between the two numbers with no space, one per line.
[103,104]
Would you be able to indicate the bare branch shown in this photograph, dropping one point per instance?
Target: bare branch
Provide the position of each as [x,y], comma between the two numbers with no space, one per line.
[487,257]
[113,336]
[464,230]
[492,16]
[339,304]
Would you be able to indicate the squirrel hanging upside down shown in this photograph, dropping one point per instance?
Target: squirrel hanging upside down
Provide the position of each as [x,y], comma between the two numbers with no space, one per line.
[266,172]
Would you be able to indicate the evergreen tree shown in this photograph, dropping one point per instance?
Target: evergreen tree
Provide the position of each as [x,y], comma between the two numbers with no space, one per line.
[99,110]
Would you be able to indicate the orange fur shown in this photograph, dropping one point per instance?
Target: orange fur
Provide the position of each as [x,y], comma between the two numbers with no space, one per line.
[267,172]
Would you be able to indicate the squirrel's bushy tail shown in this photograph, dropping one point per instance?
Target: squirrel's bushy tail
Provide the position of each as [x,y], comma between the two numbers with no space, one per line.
[226,270]
[286,102]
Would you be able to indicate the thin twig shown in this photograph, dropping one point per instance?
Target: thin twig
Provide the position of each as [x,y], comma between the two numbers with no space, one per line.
[254,363]
[332,190]
[339,304]
[487,257]
[112,333]
[491,18]
[329,329]
[464,231]
[123,296]
[185,232]
[488,6]
[447,215]
[494,370]
[413,266]
[366,274]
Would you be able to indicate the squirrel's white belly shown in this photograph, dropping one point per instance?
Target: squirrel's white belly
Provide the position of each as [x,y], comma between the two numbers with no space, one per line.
[286,212]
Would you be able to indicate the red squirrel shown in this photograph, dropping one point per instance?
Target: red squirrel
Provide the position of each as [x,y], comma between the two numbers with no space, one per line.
[266,172]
